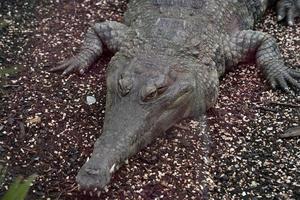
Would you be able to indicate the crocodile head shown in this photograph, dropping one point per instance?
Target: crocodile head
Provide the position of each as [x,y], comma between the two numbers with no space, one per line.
[145,97]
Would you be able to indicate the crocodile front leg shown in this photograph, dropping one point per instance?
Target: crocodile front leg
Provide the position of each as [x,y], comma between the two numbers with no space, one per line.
[108,33]
[246,46]
[288,9]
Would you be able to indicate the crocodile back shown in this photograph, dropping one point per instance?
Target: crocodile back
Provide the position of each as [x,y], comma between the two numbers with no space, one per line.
[177,23]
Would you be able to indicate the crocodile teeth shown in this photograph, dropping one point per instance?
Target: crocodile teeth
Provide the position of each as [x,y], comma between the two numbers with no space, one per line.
[98,194]
[112,169]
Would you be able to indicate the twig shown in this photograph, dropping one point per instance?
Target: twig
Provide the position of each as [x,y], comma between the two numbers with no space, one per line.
[74,187]
[181,127]
[30,150]
[10,86]
[285,104]
[57,198]
[292,132]
[267,109]
[22,129]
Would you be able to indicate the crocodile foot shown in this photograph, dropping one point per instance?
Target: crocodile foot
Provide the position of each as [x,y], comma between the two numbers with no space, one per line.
[288,9]
[285,78]
[73,64]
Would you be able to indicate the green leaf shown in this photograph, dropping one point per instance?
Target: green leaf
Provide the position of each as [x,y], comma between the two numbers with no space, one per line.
[19,188]
[2,175]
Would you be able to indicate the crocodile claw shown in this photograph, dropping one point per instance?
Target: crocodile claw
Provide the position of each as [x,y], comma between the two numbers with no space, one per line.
[288,9]
[286,79]
[70,65]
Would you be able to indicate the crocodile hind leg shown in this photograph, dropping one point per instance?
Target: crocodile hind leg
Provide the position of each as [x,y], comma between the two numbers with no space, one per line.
[108,33]
[248,46]
[288,9]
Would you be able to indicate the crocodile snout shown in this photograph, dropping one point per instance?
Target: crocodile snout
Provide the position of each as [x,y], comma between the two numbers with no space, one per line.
[93,174]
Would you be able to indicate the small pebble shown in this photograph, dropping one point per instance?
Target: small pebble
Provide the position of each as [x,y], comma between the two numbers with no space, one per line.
[90,100]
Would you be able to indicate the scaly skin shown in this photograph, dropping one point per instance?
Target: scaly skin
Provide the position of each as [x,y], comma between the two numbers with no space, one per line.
[168,57]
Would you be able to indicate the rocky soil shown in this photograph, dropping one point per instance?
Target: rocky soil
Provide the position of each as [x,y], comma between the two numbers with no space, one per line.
[46,126]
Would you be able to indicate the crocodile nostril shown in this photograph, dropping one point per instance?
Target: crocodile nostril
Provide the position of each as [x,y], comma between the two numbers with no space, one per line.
[125,85]
[91,171]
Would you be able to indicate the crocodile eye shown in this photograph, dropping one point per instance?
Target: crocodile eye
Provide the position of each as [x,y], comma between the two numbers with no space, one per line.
[161,90]
[153,92]
[125,85]
[151,95]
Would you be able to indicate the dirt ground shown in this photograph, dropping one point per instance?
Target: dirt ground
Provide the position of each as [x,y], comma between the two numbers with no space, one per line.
[47,128]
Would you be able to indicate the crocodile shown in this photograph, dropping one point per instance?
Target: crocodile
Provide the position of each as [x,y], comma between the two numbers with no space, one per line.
[168,58]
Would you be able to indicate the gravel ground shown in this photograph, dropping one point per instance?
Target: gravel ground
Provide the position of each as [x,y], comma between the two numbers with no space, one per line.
[46,127]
